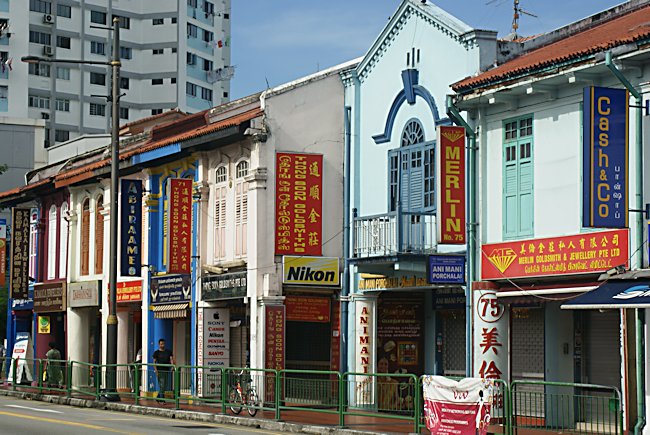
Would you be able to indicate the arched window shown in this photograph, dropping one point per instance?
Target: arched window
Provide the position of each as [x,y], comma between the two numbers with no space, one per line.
[413,133]
[411,171]
[99,235]
[51,243]
[63,258]
[85,237]
[221,174]
[241,208]
[220,212]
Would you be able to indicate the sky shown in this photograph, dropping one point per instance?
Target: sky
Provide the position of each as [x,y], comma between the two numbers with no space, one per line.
[277,41]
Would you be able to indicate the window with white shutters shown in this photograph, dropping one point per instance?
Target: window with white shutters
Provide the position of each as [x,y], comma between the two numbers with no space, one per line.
[220,213]
[85,238]
[99,236]
[63,258]
[51,243]
[241,209]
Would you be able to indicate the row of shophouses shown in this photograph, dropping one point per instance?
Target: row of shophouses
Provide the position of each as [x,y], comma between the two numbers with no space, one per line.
[323,225]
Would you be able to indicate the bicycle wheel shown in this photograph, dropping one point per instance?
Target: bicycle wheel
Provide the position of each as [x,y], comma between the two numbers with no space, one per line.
[235,399]
[253,403]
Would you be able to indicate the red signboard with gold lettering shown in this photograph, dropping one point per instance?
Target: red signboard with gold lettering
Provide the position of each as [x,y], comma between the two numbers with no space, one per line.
[298,204]
[180,225]
[130,291]
[273,345]
[307,309]
[581,253]
[451,185]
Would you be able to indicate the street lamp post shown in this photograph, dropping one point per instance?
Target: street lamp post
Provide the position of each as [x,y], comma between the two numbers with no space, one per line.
[111,323]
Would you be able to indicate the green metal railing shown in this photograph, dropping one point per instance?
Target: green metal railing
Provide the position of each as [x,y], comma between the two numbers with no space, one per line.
[553,407]
[385,395]
[566,407]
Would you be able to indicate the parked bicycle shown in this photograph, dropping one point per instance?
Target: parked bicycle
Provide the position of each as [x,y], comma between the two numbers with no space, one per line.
[243,394]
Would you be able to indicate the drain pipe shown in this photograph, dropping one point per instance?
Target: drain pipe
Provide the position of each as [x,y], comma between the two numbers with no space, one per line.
[345,285]
[472,254]
[640,317]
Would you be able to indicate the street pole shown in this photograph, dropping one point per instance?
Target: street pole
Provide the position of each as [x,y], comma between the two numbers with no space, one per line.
[111,322]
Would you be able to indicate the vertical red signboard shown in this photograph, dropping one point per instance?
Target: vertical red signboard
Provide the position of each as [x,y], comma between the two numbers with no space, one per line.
[298,204]
[3,252]
[451,185]
[180,225]
[273,345]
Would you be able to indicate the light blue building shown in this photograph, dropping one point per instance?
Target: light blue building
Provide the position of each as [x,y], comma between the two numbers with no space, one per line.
[395,100]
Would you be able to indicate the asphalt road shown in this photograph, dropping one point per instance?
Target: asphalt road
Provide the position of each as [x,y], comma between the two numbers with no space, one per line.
[32,417]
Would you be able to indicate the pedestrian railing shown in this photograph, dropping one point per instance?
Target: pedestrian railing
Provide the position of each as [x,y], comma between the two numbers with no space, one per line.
[385,395]
[566,407]
[537,406]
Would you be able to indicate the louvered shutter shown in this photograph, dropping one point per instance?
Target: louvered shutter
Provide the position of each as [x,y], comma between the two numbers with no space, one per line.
[99,236]
[85,238]
[241,215]
[51,243]
[63,258]
[416,180]
[220,222]
[525,188]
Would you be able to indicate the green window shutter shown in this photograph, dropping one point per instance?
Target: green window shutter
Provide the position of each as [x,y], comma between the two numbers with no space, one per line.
[510,199]
[518,196]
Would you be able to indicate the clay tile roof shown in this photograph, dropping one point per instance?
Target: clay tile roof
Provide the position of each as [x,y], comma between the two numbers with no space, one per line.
[86,171]
[625,29]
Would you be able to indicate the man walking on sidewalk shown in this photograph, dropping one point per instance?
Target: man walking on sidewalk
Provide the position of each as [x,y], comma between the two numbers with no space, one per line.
[162,359]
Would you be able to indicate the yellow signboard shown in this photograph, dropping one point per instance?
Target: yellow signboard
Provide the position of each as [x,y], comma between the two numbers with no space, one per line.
[310,270]
[43,324]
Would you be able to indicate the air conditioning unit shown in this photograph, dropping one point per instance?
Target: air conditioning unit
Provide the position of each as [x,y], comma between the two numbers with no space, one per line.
[48,50]
[48,19]
[45,115]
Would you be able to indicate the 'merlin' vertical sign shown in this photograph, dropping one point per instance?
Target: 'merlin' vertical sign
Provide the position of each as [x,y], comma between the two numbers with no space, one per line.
[180,225]
[298,204]
[451,185]
[20,253]
[131,228]
[605,156]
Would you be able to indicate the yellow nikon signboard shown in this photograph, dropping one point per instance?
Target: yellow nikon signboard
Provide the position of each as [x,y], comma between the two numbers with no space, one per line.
[310,270]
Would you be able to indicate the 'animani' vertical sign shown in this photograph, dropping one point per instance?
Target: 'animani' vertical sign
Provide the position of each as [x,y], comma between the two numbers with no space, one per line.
[451,185]
[180,225]
[298,204]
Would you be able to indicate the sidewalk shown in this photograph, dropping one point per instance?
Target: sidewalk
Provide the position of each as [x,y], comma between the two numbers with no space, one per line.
[297,421]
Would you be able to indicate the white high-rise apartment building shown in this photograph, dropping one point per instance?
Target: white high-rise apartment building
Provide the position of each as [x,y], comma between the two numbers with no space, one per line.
[175,53]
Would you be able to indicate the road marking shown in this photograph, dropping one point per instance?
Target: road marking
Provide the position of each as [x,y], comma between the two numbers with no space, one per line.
[35,409]
[67,423]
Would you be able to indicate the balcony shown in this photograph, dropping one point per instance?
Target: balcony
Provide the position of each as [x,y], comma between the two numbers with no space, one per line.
[385,234]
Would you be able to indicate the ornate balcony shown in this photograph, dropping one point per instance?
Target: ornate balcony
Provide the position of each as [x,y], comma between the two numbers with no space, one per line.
[392,233]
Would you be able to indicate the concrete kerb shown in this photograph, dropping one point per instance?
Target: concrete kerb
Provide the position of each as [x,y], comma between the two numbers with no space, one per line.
[205,417]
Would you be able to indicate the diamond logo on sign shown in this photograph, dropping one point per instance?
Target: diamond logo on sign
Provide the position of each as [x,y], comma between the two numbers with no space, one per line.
[502,258]
[453,135]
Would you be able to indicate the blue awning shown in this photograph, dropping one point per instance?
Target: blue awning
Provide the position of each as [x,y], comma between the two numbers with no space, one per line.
[613,295]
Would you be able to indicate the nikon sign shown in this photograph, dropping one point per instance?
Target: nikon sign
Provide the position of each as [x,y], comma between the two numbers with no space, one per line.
[317,271]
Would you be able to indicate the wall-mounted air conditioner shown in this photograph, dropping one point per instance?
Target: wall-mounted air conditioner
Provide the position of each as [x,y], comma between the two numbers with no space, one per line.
[48,19]
[48,50]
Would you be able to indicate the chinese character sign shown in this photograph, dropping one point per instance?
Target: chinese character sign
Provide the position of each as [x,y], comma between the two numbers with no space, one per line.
[131,226]
[605,155]
[457,407]
[20,253]
[581,253]
[451,185]
[490,336]
[298,204]
[180,225]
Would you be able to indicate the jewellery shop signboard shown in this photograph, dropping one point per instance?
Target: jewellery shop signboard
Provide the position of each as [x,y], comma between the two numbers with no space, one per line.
[49,298]
[226,286]
[170,289]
